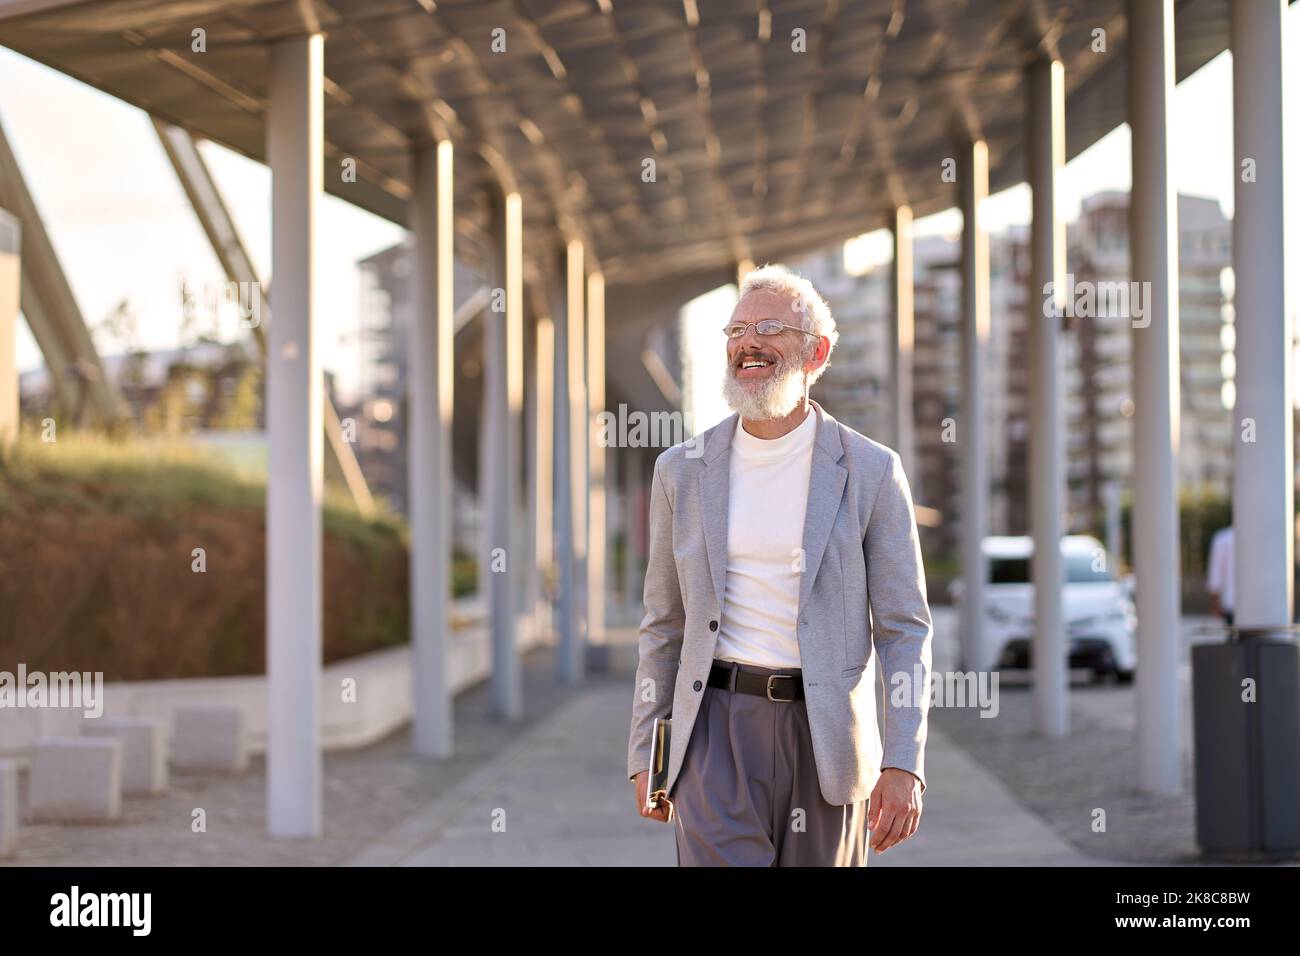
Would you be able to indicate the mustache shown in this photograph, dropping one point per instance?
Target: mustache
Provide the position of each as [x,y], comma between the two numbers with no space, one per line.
[746,356]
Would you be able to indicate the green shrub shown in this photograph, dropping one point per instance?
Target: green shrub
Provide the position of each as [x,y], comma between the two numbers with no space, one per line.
[97,545]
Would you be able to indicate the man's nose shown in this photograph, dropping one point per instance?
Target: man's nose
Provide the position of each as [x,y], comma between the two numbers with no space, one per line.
[750,339]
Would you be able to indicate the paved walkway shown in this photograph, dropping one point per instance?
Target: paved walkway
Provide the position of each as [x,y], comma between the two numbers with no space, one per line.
[550,790]
[558,796]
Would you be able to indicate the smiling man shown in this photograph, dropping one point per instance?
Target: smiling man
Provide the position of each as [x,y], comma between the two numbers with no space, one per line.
[784,561]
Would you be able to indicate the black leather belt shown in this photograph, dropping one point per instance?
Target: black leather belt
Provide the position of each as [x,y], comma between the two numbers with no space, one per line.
[779,687]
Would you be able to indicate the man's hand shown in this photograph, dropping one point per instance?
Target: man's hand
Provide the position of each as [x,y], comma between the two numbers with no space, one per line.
[663,812]
[894,809]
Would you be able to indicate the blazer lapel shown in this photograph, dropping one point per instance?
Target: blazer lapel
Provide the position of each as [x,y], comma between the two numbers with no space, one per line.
[715,496]
[826,483]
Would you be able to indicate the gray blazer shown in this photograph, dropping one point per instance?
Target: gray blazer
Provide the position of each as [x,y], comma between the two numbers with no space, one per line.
[861,551]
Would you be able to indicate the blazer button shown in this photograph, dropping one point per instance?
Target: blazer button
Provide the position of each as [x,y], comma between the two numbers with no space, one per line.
[713,625]
[697,685]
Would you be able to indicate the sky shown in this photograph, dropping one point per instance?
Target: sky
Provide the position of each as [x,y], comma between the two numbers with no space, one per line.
[124,230]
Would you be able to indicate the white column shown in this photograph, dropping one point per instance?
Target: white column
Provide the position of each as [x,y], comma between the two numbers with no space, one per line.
[542,463]
[10,284]
[1114,531]
[633,579]
[527,594]
[1045,145]
[597,458]
[581,447]
[294,391]
[1263,505]
[974,346]
[570,457]
[901,339]
[1153,231]
[503,393]
[429,404]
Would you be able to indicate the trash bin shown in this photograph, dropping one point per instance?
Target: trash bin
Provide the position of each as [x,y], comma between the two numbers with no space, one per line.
[1246,722]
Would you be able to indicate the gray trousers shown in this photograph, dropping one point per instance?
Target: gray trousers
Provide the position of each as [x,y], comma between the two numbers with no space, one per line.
[747,793]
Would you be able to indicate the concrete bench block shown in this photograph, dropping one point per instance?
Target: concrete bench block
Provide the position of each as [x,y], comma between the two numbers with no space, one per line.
[8,807]
[144,760]
[209,737]
[76,779]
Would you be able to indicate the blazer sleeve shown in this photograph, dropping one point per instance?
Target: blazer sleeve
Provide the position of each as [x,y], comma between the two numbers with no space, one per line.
[901,624]
[662,630]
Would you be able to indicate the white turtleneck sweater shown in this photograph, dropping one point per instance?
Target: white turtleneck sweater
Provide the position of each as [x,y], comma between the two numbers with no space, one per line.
[765,515]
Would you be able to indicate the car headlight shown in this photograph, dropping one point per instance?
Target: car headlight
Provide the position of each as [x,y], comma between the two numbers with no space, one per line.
[1114,615]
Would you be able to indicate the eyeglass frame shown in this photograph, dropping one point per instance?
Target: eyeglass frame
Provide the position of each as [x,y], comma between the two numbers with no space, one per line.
[731,325]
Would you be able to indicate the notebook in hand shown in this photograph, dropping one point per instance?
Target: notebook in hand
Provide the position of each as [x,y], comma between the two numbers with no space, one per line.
[659,761]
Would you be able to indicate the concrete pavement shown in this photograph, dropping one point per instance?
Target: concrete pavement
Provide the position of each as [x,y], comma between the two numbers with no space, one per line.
[550,789]
[558,796]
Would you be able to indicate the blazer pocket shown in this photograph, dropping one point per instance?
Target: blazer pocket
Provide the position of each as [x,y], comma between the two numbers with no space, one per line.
[857,649]
[854,671]
[854,657]
[857,641]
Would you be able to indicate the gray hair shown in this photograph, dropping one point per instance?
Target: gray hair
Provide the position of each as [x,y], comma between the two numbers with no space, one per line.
[804,298]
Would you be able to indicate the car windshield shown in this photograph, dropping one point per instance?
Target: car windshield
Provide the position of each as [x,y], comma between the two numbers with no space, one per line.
[1078,570]
[1009,571]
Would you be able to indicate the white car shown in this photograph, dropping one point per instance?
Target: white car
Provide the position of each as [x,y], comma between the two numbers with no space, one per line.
[1100,618]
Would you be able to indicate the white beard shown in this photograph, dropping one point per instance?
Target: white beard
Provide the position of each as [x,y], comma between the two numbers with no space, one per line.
[775,398]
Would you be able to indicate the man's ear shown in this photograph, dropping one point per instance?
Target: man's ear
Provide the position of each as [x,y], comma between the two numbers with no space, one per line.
[820,353]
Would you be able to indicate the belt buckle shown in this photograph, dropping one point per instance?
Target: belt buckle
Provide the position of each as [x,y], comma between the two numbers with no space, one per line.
[780,700]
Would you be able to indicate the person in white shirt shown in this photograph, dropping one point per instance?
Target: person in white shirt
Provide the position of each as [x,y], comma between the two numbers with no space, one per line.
[763,564]
[776,758]
[1221,573]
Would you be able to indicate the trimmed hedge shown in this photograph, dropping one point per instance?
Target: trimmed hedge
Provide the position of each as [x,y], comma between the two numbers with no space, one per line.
[97,564]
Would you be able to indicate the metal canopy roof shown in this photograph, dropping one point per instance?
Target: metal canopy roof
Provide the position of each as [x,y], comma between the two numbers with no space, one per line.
[761,151]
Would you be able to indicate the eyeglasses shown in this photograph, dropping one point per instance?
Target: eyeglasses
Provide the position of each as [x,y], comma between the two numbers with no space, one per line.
[764,327]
